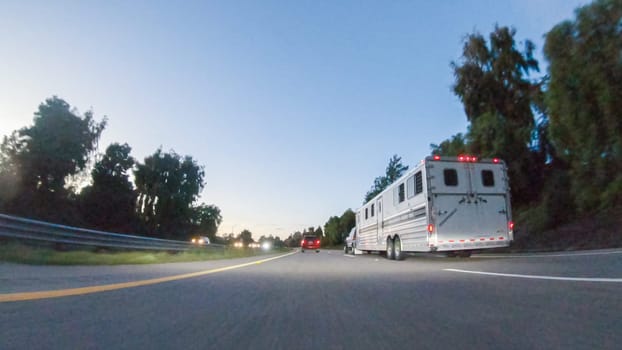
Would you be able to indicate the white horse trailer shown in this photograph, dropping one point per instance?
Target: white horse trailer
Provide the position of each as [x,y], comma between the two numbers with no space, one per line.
[445,204]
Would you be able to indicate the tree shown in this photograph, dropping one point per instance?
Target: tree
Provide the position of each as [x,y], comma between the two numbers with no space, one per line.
[346,222]
[58,145]
[293,240]
[337,228]
[109,203]
[455,146]
[167,186]
[206,219]
[499,101]
[395,169]
[246,237]
[584,101]
[318,232]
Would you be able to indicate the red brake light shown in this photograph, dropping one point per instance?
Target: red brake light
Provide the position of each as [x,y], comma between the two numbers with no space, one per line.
[436,157]
[474,159]
[511,225]
[495,160]
[317,242]
[430,228]
[461,158]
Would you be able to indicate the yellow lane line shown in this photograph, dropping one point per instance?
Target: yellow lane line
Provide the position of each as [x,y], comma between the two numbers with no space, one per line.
[107,287]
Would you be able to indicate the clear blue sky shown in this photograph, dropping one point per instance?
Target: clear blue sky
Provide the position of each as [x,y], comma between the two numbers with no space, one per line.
[293,107]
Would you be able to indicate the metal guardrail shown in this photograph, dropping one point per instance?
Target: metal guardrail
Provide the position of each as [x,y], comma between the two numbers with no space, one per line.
[33,230]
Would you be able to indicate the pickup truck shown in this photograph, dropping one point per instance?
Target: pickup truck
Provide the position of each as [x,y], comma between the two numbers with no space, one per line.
[350,245]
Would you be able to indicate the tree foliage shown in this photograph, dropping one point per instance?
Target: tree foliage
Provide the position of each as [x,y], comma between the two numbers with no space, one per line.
[206,219]
[38,159]
[109,202]
[246,237]
[167,186]
[499,100]
[395,169]
[337,228]
[454,146]
[584,99]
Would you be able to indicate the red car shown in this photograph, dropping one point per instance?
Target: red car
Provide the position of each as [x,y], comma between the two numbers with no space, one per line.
[310,242]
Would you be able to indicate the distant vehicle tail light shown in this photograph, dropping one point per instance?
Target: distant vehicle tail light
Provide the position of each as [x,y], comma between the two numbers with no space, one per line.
[436,157]
[511,225]
[495,160]
[430,228]
[317,242]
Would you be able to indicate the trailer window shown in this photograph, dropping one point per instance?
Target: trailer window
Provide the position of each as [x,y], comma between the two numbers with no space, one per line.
[372,210]
[366,216]
[488,178]
[451,177]
[418,183]
[401,193]
[410,187]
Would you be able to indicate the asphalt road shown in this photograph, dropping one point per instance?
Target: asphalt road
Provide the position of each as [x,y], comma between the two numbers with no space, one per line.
[326,301]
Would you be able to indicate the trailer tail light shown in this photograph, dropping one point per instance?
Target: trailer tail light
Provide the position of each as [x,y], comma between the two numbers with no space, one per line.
[495,160]
[511,225]
[430,228]
[436,157]
[467,158]
[317,242]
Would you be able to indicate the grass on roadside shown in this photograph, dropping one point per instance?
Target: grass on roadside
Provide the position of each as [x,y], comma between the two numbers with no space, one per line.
[19,253]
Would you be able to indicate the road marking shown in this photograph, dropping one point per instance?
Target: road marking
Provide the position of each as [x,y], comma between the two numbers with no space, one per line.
[579,279]
[544,255]
[108,287]
[348,256]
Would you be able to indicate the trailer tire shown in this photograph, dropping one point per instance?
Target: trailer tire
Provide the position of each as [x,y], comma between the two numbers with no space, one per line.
[397,249]
[390,249]
[464,254]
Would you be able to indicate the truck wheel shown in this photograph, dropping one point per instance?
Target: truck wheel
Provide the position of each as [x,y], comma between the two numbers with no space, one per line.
[390,249]
[397,248]
[464,254]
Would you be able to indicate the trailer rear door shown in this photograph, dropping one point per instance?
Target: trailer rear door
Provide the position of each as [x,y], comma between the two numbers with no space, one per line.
[469,201]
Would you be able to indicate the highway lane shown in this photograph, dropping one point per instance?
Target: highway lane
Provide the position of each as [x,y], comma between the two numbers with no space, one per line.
[330,301]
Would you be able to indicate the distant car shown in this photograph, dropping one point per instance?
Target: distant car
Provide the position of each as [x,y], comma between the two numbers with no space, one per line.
[310,242]
[350,245]
[201,240]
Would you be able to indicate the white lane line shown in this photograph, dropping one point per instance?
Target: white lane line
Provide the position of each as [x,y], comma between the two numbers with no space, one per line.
[576,279]
[348,256]
[544,255]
